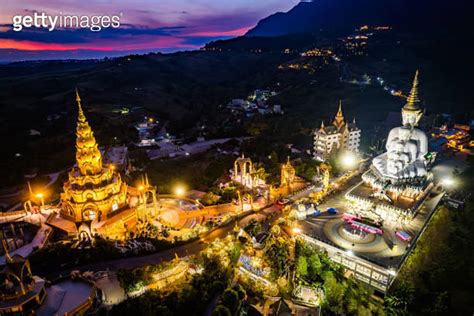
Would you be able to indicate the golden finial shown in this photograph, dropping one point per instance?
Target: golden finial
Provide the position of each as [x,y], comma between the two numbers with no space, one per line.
[412,99]
[81,116]
[78,98]
[322,124]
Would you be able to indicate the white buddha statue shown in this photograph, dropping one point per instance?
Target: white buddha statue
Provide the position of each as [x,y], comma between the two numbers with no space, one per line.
[406,145]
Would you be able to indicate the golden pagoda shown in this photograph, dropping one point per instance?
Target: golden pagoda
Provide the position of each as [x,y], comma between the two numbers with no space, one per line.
[92,190]
[287,174]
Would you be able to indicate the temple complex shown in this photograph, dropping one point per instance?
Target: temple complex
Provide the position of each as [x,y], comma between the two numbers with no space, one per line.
[339,135]
[93,191]
[398,180]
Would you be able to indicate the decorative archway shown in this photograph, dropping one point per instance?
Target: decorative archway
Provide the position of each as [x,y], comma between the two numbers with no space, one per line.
[90,212]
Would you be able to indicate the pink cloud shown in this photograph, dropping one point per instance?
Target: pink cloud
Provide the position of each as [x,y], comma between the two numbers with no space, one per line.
[234,32]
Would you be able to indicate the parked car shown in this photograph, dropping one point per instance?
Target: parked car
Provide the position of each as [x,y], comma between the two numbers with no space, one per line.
[332,210]
[403,235]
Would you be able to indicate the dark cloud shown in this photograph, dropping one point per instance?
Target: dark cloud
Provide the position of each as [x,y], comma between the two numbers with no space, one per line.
[67,36]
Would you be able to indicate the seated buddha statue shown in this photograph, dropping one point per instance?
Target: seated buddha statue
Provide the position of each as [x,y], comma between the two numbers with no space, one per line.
[406,145]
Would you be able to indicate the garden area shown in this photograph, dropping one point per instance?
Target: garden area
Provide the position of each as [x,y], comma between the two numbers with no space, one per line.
[344,296]
[206,286]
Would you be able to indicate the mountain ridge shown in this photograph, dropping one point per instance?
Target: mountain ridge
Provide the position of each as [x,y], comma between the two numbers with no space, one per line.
[341,16]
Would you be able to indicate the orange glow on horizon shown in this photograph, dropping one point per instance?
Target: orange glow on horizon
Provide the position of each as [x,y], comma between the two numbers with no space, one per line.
[32,45]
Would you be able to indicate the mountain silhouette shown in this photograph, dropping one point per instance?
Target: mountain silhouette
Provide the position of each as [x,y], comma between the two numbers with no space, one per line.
[340,16]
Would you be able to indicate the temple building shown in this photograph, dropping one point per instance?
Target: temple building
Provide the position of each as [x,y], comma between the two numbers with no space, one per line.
[398,180]
[20,291]
[245,174]
[288,174]
[93,191]
[95,200]
[340,135]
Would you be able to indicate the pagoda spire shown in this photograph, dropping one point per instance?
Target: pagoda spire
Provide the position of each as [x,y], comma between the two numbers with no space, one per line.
[339,119]
[339,112]
[88,156]
[413,100]
[321,129]
[411,112]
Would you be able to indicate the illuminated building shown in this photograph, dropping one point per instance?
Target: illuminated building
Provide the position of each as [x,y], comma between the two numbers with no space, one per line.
[339,135]
[20,291]
[93,191]
[287,175]
[245,175]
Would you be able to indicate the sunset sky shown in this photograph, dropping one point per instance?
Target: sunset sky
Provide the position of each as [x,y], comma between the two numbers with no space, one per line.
[146,25]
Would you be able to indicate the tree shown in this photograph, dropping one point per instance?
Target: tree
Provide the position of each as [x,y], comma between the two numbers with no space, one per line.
[230,299]
[314,264]
[221,310]
[334,293]
[277,255]
[301,266]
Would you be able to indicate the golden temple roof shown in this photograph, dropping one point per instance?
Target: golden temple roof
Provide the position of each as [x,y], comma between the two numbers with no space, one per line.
[339,119]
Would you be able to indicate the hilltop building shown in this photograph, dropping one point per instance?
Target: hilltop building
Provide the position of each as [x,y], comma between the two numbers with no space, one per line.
[339,135]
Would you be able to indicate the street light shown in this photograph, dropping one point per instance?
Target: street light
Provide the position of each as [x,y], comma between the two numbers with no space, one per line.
[447,182]
[296,230]
[40,196]
[179,191]
[348,160]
